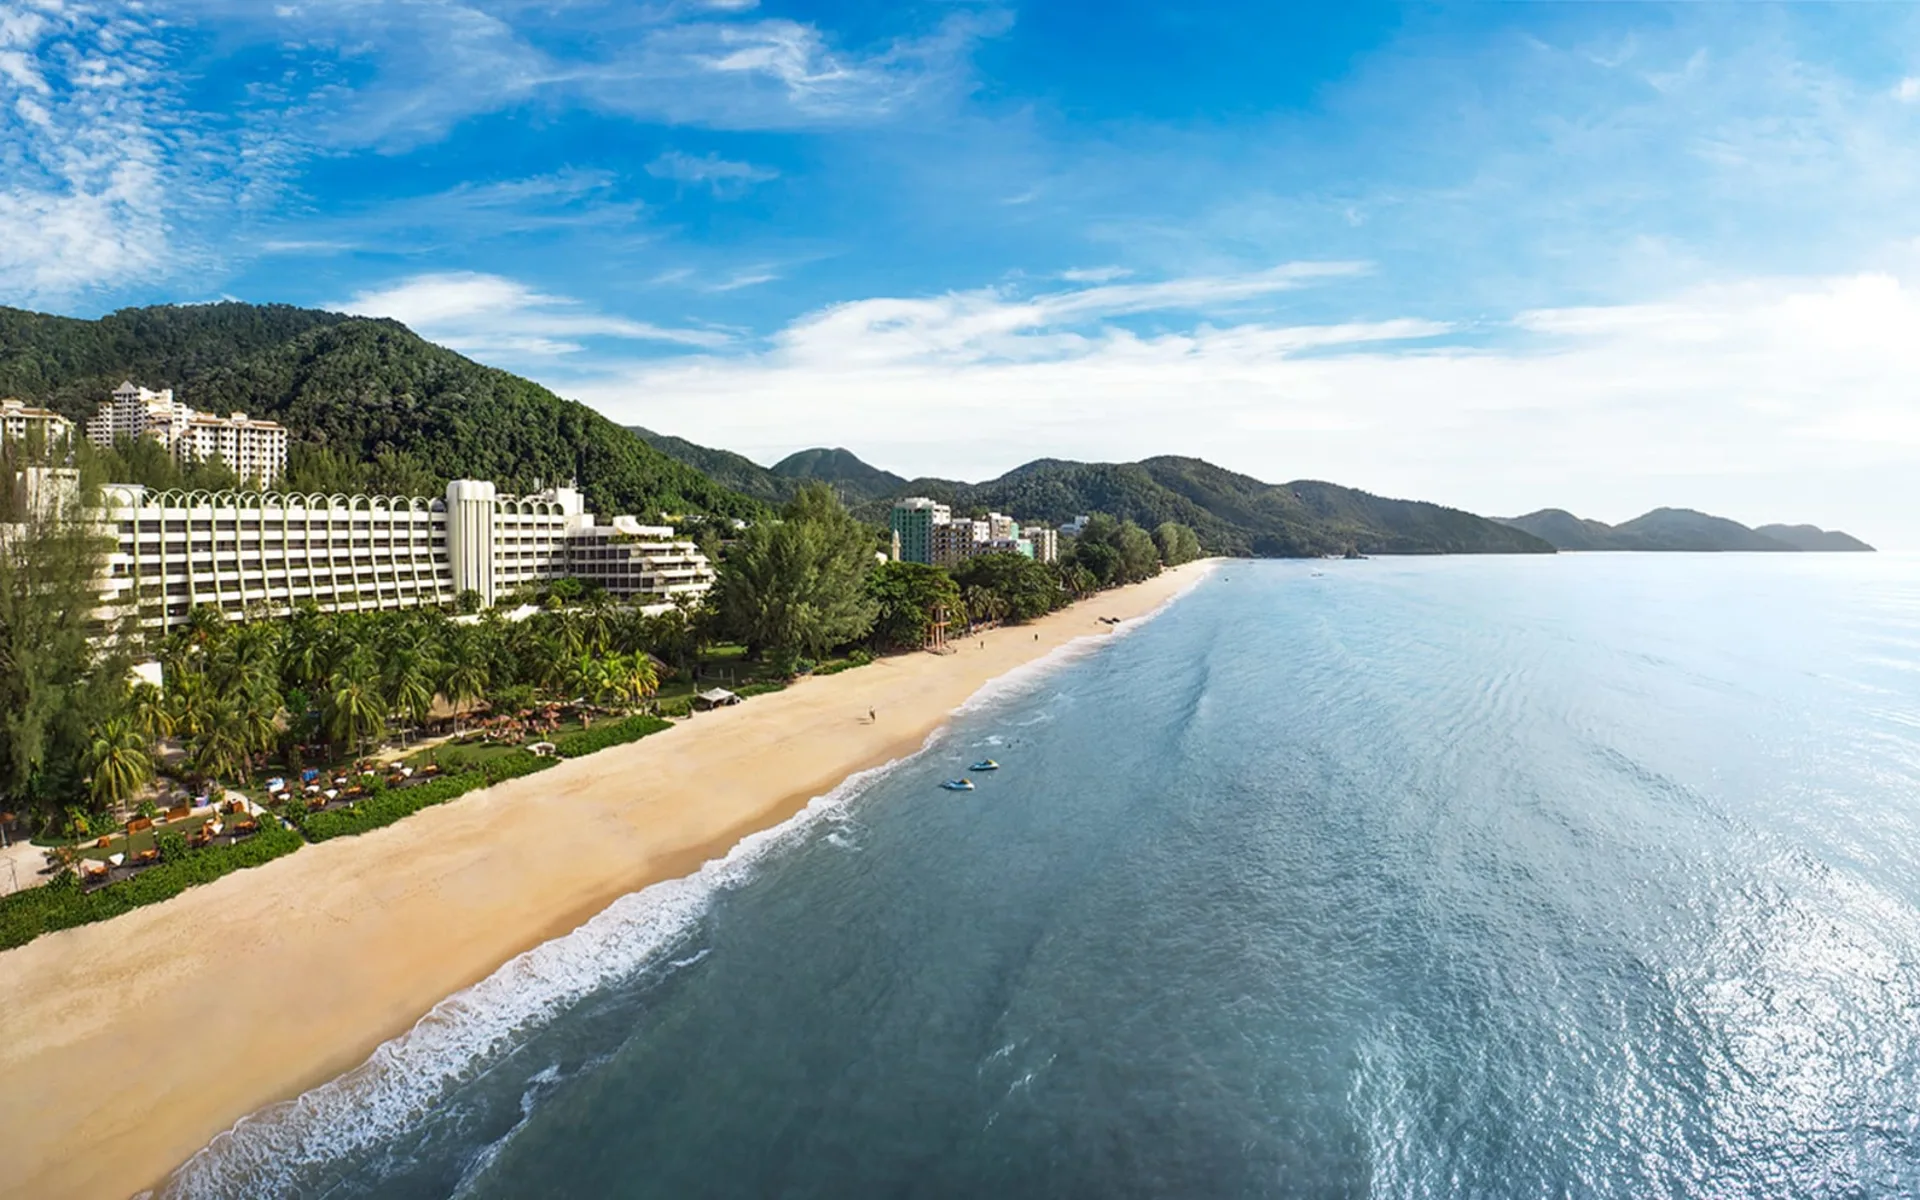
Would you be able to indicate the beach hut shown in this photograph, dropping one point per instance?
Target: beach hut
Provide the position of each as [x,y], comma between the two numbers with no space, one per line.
[714,698]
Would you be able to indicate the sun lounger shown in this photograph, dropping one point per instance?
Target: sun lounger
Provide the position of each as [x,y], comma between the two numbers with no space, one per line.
[142,857]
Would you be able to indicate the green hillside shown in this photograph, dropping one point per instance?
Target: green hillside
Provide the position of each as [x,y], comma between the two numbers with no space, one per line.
[1232,514]
[852,478]
[356,386]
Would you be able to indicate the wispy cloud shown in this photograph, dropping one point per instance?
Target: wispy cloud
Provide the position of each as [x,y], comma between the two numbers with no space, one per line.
[491,316]
[724,177]
[89,134]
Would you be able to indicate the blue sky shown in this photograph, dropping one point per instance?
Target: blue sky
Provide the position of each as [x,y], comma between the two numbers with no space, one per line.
[1502,256]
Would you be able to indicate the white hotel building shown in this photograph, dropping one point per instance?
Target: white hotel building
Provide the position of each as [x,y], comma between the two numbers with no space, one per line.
[265,553]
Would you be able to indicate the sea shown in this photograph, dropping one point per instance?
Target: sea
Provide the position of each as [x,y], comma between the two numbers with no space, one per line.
[1573,876]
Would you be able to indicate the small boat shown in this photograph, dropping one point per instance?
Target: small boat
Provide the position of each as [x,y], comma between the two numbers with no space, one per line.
[958,785]
[985,764]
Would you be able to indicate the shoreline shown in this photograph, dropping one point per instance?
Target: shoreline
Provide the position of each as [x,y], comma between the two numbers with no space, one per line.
[128,1045]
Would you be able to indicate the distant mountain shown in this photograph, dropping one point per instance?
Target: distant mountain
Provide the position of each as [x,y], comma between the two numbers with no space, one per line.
[1233,514]
[724,467]
[1675,529]
[855,480]
[1812,537]
[356,386]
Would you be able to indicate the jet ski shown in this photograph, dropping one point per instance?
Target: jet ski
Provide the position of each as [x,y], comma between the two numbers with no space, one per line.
[958,785]
[985,764]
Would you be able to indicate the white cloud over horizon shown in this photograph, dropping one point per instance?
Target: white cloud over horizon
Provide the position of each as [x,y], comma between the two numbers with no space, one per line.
[1769,400]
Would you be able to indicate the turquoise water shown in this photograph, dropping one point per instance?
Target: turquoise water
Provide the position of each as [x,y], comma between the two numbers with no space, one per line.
[1585,876]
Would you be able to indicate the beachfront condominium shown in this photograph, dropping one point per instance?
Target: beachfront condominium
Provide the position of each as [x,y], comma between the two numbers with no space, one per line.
[21,422]
[913,522]
[256,450]
[925,531]
[266,553]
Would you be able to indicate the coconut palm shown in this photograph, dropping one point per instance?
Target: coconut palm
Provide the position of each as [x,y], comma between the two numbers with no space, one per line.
[407,684]
[222,751]
[259,717]
[634,677]
[464,675]
[119,761]
[354,710]
[151,715]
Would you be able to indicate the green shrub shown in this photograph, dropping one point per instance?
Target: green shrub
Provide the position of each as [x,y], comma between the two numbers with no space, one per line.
[374,812]
[681,706]
[61,904]
[759,689]
[615,733]
[171,844]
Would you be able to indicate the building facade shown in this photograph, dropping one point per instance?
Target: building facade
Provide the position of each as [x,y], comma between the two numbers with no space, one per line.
[255,449]
[21,422]
[266,553]
[1046,542]
[913,522]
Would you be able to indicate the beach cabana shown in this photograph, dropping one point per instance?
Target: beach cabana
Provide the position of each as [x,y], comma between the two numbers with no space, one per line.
[715,698]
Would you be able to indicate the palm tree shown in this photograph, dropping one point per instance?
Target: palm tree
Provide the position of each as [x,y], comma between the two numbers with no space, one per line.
[354,710]
[407,684]
[119,761]
[223,751]
[150,712]
[634,677]
[464,676]
[259,718]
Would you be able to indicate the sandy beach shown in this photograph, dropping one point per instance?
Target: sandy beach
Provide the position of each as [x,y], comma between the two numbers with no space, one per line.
[127,1045]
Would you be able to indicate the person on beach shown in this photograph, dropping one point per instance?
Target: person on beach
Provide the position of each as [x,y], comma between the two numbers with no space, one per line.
[873,718]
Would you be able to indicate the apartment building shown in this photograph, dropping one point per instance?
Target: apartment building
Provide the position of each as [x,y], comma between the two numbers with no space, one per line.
[255,449]
[925,531]
[21,422]
[913,522]
[265,553]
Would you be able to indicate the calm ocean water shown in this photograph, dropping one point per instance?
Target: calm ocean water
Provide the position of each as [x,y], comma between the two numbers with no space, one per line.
[1583,876]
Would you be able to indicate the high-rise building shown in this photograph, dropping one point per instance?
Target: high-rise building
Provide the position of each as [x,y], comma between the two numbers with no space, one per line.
[1001,527]
[957,541]
[1046,542]
[255,449]
[914,520]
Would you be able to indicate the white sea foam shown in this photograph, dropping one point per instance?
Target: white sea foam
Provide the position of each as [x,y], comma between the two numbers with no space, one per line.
[406,1077]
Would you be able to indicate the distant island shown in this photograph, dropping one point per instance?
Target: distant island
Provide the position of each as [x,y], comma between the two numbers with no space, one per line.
[1677,529]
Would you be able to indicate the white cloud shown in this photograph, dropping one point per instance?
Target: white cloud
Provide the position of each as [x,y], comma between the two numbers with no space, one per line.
[86,184]
[1785,399]
[1908,89]
[1095,274]
[489,315]
[724,177]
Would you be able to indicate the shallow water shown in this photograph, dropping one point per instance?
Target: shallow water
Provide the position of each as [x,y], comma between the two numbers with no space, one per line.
[1584,876]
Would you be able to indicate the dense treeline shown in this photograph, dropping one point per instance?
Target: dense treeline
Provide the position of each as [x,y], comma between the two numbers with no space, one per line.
[369,391]
[798,588]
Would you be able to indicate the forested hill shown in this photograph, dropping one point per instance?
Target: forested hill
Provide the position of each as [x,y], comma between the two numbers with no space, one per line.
[1232,514]
[1238,514]
[1677,529]
[851,478]
[359,387]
